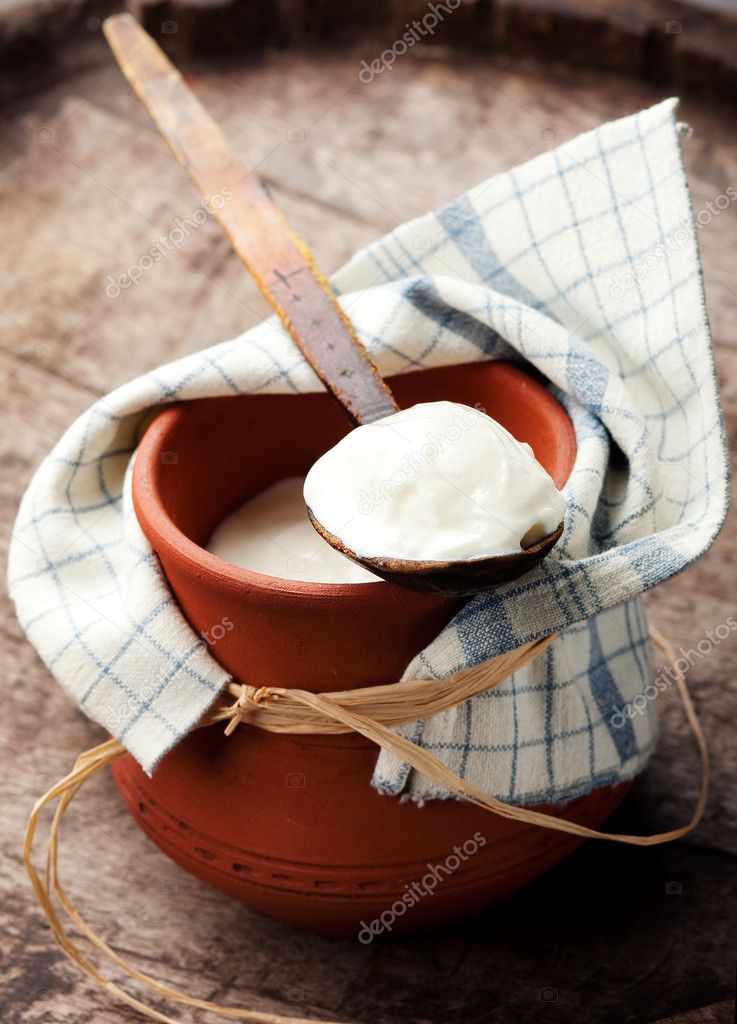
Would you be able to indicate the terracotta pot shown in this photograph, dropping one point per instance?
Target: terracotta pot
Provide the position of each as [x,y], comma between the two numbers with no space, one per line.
[290,824]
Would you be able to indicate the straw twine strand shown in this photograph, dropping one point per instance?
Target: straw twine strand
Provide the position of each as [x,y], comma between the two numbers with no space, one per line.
[369,712]
[277,709]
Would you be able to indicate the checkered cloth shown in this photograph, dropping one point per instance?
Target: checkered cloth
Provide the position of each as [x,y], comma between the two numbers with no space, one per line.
[584,264]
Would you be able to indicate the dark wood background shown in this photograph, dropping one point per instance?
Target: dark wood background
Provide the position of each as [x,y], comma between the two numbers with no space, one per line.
[86,185]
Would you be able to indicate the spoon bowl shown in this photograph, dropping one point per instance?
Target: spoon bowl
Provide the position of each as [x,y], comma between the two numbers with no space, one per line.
[458,578]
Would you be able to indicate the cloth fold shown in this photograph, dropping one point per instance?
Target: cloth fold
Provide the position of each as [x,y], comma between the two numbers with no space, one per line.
[582,263]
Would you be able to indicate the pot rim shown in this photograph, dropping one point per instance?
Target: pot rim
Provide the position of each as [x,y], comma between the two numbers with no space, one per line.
[161,531]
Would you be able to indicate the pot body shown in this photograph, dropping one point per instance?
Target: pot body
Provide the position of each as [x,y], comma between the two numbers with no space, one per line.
[290,824]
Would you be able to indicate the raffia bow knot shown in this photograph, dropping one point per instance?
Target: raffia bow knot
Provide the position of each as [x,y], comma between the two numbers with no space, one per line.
[249,697]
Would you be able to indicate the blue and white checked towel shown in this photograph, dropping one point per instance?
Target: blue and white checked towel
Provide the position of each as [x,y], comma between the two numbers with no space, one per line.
[569,262]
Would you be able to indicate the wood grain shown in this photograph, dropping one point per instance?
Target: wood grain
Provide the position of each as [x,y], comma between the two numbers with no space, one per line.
[719,1013]
[688,45]
[616,935]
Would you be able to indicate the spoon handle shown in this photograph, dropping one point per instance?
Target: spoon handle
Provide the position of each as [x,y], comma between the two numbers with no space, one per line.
[278,259]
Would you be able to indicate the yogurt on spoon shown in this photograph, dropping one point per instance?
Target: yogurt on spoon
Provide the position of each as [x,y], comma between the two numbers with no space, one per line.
[440,481]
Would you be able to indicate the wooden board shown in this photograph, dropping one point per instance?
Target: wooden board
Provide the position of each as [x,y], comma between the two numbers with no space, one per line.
[85,185]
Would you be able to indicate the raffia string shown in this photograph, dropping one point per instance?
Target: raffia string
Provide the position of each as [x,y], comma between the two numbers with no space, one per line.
[369,712]
[277,709]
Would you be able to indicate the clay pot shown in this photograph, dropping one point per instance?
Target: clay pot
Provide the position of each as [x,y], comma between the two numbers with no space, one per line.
[290,825]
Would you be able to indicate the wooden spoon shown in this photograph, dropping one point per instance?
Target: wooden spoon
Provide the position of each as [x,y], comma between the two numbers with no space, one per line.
[278,259]
[286,273]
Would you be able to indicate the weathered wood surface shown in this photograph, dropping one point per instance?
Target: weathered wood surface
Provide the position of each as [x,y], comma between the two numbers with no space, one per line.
[719,1013]
[615,934]
[687,45]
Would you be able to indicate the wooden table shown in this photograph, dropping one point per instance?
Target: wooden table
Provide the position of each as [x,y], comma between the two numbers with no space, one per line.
[615,934]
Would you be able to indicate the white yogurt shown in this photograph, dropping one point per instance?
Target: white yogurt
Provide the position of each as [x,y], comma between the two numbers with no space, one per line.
[272,534]
[437,481]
